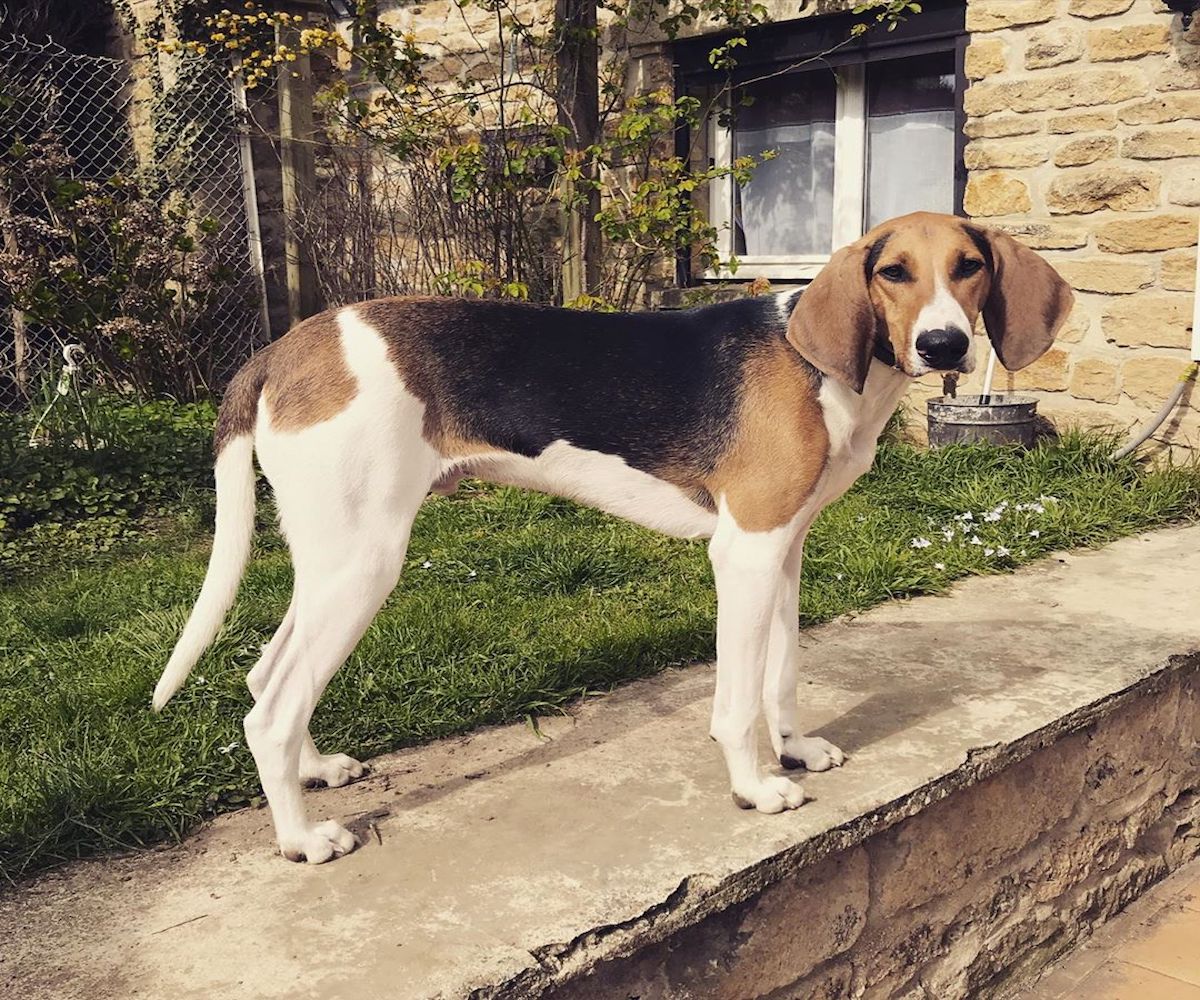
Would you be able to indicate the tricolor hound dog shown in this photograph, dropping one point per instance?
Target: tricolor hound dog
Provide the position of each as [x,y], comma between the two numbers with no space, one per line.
[736,422]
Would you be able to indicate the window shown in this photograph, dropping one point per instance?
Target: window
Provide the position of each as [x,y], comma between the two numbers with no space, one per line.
[865,127]
[853,146]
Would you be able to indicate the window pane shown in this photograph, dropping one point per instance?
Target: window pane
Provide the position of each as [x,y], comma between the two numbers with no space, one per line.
[787,208]
[910,136]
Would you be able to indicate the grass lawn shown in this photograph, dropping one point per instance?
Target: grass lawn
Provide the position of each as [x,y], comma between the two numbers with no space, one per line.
[511,604]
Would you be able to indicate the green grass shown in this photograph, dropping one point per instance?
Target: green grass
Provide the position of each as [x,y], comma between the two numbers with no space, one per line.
[512,603]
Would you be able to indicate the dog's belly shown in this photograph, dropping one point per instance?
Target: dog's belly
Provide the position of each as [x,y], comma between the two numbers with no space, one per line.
[602,481]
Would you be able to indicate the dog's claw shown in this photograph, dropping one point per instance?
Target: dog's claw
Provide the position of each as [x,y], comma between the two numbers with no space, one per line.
[320,843]
[811,752]
[772,795]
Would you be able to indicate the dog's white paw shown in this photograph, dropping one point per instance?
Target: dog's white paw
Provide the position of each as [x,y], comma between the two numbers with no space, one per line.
[332,769]
[811,752]
[318,844]
[772,794]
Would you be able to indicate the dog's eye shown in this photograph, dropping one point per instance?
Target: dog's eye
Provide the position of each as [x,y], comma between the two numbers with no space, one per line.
[893,272]
[969,266]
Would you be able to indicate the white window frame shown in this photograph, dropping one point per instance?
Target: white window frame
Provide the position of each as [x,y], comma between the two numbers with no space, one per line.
[849,187]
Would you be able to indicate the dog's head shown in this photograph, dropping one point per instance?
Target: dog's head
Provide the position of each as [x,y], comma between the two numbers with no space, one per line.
[909,293]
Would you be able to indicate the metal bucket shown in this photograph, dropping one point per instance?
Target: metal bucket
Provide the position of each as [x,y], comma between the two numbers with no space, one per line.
[1001,420]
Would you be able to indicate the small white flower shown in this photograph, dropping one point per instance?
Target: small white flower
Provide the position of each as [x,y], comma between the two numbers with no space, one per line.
[1048,499]
[975,540]
[948,534]
[841,576]
[989,552]
[472,574]
[939,565]
[1037,508]
[992,515]
[201,680]
[966,516]
[861,518]
[229,749]
[426,564]
[920,543]
[1002,552]
[1035,533]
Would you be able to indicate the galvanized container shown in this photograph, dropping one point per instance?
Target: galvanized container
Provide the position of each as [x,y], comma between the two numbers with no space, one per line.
[1001,420]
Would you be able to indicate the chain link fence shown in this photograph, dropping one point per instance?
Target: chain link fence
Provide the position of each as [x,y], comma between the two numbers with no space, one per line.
[178,155]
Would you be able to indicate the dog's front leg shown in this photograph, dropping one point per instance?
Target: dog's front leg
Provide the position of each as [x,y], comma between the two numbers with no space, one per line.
[783,674]
[747,566]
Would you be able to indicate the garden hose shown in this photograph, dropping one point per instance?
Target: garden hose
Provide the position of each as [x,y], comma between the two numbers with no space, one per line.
[1137,441]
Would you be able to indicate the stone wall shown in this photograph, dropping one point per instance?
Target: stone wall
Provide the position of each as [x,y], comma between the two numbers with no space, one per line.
[1084,142]
[970,897]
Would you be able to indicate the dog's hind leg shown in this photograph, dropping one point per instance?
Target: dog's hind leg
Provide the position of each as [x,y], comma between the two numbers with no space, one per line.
[330,769]
[783,675]
[332,612]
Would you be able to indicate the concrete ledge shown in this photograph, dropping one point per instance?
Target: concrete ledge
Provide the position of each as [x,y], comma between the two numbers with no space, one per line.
[1023,762]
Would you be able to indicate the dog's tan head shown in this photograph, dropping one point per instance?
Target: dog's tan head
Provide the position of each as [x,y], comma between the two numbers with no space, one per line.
[911,290]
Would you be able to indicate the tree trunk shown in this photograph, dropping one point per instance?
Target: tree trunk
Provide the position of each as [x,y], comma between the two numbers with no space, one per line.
[16,316]
[578,73]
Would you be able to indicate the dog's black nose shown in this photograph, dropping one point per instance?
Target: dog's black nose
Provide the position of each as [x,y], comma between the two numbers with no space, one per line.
[943,349]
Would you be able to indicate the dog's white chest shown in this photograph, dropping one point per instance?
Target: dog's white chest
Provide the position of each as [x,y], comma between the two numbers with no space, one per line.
[854,423]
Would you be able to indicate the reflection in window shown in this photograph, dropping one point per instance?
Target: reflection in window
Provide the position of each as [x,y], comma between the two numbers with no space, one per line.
[787,207]
[910,137]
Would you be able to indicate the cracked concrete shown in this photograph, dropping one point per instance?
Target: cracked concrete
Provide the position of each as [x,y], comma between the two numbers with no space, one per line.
[502,863]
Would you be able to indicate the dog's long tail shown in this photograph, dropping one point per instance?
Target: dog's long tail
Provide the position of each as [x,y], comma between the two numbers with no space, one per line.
[233,442]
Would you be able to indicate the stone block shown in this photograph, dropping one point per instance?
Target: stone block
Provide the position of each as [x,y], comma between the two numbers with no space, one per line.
[1151,320]
[1047,235]
[1153,232]
[983,155]
[1083,121]
[1161,108]
[1077,325]
[1175,76]
[991,15]
[1107,275]
[1163,143]
[1129,41]
[1095,378]
[1098,8]
[1107,186]
[986,56]
[1090,148]
[1049,372]
[997,126]
[996,193]
[1056,91]
[1148,381]
[1179,271]
[1183,182]
[1052,46]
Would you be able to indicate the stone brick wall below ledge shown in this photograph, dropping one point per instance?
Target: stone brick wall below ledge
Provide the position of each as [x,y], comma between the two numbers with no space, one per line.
[971,896]
[1084,142]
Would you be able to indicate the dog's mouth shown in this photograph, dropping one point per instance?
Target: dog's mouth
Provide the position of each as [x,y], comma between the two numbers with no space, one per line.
[885,353]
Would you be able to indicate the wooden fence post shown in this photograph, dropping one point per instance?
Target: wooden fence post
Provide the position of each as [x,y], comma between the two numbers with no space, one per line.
[297,152]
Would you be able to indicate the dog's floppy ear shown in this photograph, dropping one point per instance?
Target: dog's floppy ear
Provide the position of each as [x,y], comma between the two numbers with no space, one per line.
[1027,303]
[833,324]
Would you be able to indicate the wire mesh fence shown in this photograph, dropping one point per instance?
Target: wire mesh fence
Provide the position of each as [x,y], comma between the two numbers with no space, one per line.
[124,227]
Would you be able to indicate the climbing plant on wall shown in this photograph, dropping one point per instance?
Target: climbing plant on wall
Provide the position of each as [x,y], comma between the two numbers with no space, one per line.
[511,164]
